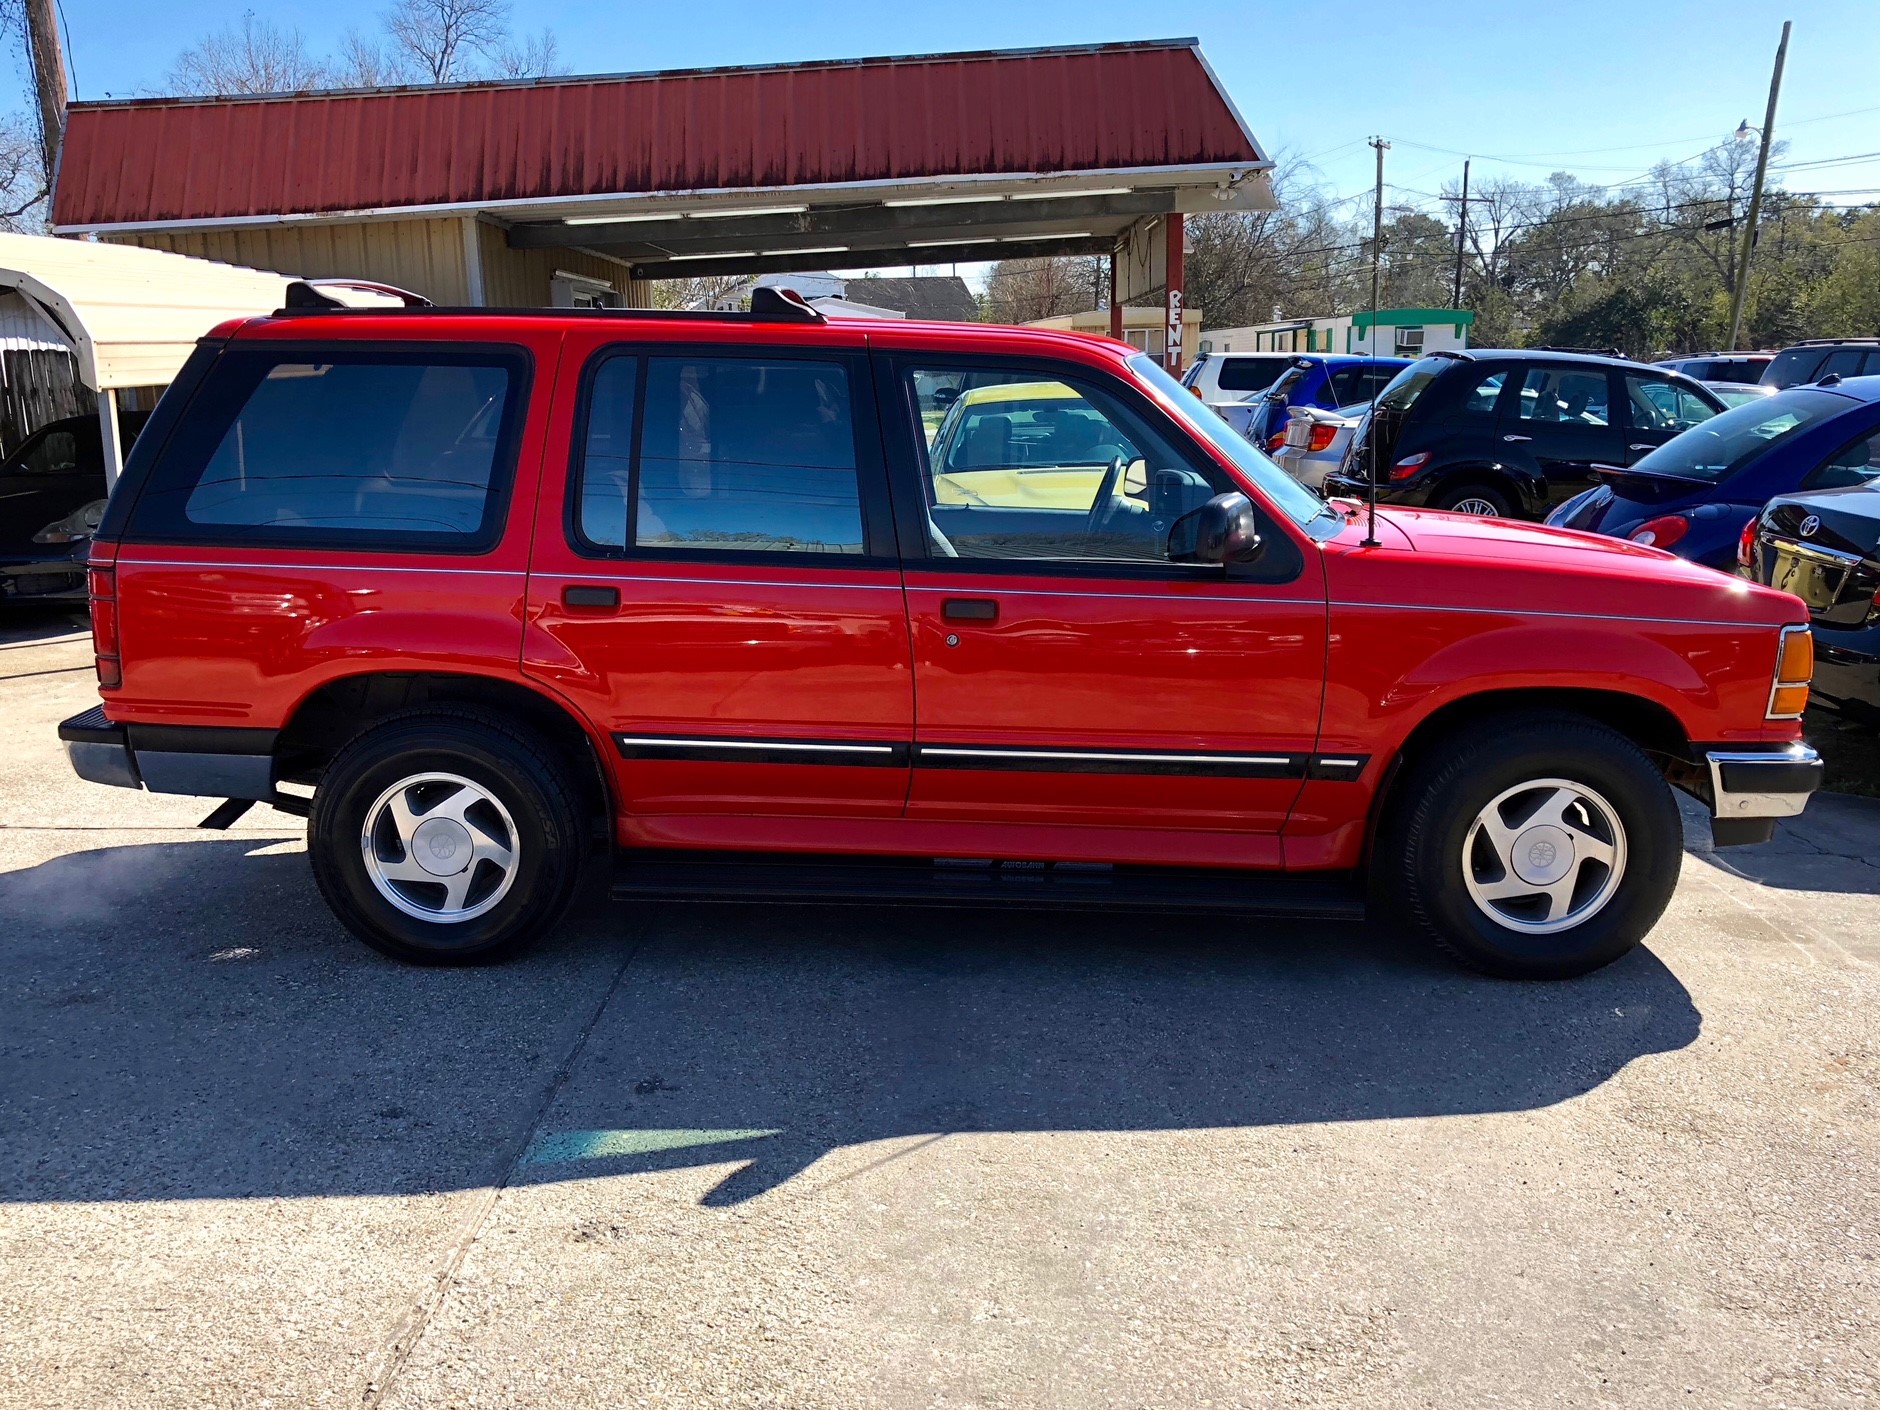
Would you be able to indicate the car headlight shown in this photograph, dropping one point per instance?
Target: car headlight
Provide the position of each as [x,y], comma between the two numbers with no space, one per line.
[81,523]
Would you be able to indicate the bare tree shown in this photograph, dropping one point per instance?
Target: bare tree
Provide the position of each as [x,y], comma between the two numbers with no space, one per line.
[532,56]
[443,38]
[22,177]
[1024,290]
[368,63]
[254,56]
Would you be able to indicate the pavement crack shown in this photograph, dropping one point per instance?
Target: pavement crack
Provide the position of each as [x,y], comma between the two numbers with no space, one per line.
[396,1351]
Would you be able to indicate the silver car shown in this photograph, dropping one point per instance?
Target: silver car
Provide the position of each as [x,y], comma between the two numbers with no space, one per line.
[1316,441]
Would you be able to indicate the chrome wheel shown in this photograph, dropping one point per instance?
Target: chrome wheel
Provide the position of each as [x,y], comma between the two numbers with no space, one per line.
[1472,505]
[1545,856]
[440,847]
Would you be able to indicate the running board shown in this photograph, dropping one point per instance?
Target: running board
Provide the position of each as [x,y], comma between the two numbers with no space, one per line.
[783,879]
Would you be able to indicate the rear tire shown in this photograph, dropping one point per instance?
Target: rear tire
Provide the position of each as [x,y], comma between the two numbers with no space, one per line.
[1481,500]
[447,835]
[1540,847]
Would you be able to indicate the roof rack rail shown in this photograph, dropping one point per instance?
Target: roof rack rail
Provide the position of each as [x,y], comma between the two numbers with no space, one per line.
[1584,352]
[311,294]
[1459,354]
[773,305]
[1830,342]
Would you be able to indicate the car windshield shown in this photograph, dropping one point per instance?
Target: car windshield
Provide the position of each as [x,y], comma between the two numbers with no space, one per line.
[1404,389]
[1719,447]
[1281,489]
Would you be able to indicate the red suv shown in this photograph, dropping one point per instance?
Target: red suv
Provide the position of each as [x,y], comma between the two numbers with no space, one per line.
[781,608]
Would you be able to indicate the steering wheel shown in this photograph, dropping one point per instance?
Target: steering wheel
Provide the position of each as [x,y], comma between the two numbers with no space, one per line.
[1106,493]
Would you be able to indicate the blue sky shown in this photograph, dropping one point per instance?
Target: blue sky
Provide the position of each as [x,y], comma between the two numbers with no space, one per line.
[1603,88]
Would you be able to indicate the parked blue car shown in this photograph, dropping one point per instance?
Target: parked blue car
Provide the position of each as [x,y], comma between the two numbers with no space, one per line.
[1700,493]
[1328,380]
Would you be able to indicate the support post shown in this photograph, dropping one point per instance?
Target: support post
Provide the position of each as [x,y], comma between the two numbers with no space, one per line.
[1755,195]
[42,38]
[1172,295]
[1116,304]
[111,436]
[1462,230]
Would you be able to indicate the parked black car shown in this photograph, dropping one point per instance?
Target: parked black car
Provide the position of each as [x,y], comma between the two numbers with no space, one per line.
[1514,432]
[52,492]
[1824,546]
[1823,357]
[1746,368]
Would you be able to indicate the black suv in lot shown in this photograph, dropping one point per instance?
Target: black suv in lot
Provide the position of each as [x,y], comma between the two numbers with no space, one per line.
[1823,357]
[1513,432]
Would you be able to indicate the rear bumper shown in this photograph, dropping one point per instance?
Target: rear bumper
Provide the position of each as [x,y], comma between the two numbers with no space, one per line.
[197,761]
[1750,789]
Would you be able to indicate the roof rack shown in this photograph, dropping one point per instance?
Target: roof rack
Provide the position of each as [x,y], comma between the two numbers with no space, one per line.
[1583,352]
[1830,342]
[304,296]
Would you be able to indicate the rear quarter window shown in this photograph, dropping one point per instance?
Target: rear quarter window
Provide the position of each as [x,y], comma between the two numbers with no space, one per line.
[346,448]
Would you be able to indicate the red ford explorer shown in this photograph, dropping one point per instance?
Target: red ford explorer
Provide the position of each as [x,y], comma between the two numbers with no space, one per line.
[782,608]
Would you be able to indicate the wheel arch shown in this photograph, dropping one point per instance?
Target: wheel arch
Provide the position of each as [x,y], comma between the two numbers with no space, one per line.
[1648,724]
[338,710]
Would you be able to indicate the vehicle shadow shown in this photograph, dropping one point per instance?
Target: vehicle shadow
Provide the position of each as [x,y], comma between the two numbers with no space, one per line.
[31,623]
[1832,846]
[186,1021]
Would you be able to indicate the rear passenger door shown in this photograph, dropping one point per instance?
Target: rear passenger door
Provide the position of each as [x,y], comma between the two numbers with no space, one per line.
[715,584]
[1562,419]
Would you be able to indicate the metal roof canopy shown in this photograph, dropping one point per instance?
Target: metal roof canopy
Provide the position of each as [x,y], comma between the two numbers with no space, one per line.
[132,316]
[938,158]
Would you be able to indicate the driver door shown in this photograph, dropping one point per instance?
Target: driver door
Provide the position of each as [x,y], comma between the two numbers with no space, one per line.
[1066,673]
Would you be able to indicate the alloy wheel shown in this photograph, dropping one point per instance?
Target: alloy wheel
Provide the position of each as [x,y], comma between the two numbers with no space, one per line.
[1544,856]
[440,847]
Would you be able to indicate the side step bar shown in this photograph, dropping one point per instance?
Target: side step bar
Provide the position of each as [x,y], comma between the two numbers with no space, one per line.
[773,878]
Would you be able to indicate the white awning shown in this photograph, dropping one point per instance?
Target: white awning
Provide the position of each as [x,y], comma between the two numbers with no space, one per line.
[133,315]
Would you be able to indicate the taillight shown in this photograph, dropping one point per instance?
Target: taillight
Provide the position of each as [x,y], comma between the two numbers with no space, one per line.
[1322,436]
[101,587]
[1196,389]
[1795,667]
[1746,547]
[1275,441]
[1661,532]
[1409,465]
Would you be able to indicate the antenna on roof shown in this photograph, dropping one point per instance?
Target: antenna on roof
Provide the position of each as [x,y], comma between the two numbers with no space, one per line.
[1370,539]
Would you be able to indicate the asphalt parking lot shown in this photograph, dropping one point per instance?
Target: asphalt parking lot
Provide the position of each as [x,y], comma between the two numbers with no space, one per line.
[703,1156]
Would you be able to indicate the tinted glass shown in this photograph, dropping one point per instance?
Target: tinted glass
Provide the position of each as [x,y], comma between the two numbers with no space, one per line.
[1250,374]
[1854,464]
[1795,366]
[1019,468]
[1480,392]
[1659,404]
[1282,490]
[741,455]
[1731,439]
[1359,383]
[1564,395]
[58,452]
[355,450]
[1402,391]
[1842,362]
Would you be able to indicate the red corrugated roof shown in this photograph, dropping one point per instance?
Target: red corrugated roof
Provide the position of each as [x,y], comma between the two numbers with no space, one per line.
[879,120]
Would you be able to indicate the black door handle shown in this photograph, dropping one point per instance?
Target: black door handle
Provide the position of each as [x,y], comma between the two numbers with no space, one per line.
[969,609]
[584,595]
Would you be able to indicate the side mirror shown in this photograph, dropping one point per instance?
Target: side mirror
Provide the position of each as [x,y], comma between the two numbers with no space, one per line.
[1221,531]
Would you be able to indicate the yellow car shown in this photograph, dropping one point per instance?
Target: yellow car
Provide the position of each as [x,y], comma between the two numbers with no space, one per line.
[1031,445]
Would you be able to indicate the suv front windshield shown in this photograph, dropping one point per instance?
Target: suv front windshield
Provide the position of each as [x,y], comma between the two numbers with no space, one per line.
[1284,492]
[1719,447]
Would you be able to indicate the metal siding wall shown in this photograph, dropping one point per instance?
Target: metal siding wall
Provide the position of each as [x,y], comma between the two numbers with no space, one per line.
[424,256]
[520,278]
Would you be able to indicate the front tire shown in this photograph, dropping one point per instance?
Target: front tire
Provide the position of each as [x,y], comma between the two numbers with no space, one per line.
[447,835]
[1541,847]
[1482,501]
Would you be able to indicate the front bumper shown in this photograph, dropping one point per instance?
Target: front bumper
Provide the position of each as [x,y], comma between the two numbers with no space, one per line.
[1750,789]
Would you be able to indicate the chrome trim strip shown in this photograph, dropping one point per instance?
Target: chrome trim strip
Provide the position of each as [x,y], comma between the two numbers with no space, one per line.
[1539,612]
[715,582]
[1833,557]
[694,741]
[1146,758]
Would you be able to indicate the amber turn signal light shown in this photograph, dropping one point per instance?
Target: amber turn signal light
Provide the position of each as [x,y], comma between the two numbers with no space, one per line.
[1795,667]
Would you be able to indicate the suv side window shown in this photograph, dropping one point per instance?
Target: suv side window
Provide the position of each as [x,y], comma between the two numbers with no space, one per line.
[1359,383]
[343,447]
[1844,362]
[1571,395]
[1659,404]
[720,453]
[1478,393]
[1015,466]
[56,454]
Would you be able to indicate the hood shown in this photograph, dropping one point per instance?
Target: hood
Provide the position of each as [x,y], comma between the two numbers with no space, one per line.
[1464,561]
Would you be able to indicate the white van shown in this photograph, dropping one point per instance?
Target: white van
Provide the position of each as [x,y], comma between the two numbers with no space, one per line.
[1218,377]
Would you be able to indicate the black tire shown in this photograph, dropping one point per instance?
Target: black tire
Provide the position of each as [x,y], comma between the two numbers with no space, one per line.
[1452,495]
[1418,867]
[516,767]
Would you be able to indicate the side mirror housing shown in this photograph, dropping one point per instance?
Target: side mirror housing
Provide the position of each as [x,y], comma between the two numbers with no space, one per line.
[1222,531]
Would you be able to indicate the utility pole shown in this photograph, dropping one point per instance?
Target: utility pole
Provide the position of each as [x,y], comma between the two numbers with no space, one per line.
[1377,237]
[42,37]
[1462,230]
[1755,194]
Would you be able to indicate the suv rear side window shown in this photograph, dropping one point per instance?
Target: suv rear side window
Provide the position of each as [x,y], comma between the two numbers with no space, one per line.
[343,448]
[1251,374]
[731,454]
[1794,367]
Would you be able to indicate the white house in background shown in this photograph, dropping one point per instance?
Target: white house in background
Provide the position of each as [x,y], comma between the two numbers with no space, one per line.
[1390,332]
